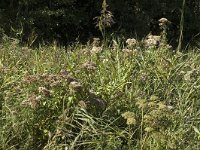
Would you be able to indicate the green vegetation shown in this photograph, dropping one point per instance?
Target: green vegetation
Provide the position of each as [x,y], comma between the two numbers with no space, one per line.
[91,97]
[57,92]
[37,21]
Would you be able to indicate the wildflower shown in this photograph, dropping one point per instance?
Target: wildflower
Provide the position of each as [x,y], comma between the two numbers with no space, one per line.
[66,75]
[96,42]
[70,79]
[51,78]
[154,98]
[63,72]
[30,79]
[127,51]
[131,42]
[105,60]
[44,91]
[151,104]
[55,83]
[44,76]
[170,107]
[143,76]
[75,86]
[96,50]
[89,66]
[187,76]
[161,105]
[155,37]
[152,41]
[163,21]
[141,103]
[130,118]
[32,101]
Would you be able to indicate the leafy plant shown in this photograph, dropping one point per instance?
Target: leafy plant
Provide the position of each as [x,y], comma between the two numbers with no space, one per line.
[65,98]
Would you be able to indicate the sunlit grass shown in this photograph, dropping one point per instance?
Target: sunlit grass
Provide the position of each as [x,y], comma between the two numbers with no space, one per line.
[55,98]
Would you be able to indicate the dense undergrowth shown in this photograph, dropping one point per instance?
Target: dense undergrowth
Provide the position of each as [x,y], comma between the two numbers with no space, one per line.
[70,98]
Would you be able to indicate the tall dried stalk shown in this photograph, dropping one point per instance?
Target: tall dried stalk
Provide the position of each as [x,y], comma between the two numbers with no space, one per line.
[181,27]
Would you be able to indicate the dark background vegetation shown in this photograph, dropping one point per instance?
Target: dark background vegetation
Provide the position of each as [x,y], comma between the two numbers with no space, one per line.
[68,20]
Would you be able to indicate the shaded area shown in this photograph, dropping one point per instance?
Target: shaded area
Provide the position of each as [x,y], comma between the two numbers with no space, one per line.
[42,21]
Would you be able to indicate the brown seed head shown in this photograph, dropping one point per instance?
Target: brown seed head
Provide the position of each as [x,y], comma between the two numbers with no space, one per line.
[75,86]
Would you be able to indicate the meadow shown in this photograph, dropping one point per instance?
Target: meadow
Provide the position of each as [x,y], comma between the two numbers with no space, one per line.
[112,97]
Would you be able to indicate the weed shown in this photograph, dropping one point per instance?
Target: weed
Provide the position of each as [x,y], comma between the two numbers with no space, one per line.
[53,98]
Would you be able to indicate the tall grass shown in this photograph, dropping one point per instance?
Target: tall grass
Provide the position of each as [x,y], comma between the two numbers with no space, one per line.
[67,98]
[181,26]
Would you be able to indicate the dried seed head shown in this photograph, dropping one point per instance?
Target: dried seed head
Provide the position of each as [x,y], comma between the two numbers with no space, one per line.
[70,79]
[130,117]
[154,98]
[152,41]
[96,42]
[66,75]
[161,105]
[142,103]
[131,42]
[44,91]
[30,79]
[163,22]
[55,83]
[89,66]
[75,86]
[96,50]
[32,101]
[64,72]
[127,51]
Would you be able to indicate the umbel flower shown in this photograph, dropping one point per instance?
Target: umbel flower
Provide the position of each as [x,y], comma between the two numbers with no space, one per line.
[128,52]
[163,21]
[130,118]
[67,76]
[96,42]
[32,101]
[131,42]
[152,41]
[76,86]
[96,48]
[89,66]
[44,91]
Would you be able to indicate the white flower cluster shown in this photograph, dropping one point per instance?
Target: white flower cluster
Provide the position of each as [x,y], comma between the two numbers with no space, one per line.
[131,42]
[152,41]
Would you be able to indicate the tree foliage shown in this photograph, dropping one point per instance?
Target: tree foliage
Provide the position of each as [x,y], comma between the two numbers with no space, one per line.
[67,20]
